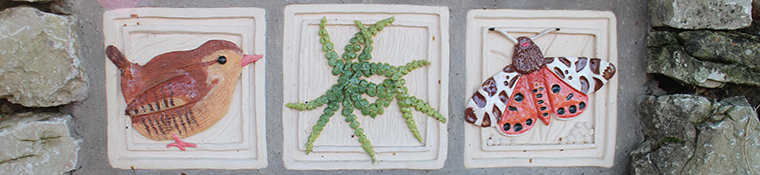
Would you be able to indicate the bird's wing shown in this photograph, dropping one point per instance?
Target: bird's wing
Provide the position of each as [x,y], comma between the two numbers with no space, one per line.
[187,88]
[163,68]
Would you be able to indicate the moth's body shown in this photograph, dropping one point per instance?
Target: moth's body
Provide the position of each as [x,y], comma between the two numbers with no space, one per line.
[533,87]
[183,92]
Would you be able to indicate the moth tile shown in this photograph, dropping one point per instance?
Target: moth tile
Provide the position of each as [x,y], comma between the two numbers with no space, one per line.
[583,33]
[237,141]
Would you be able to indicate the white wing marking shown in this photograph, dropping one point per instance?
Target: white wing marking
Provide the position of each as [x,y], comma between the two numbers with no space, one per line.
[572,76]
[502,82]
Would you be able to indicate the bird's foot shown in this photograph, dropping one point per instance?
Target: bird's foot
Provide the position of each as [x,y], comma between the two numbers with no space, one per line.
[179,143]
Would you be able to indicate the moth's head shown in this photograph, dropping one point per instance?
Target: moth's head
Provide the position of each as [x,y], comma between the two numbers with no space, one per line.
[526,56]
[525,43]
[526,48]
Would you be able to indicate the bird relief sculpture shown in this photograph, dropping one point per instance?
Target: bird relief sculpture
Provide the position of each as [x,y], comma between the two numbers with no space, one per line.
[533,87]
[181,93]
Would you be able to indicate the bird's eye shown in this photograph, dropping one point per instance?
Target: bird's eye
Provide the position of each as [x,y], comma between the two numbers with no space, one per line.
[221,59]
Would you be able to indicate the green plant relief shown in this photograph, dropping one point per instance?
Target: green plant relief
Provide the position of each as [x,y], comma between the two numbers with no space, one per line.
[349,95]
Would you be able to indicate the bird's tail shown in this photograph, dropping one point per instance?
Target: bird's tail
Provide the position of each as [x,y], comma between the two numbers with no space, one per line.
[117,57]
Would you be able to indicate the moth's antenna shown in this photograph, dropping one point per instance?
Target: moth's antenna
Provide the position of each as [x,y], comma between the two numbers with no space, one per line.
[504,33]
[544,33]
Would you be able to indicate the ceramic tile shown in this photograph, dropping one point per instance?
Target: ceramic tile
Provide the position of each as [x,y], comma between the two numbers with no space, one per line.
[587,140]
[237,141]
[418,33]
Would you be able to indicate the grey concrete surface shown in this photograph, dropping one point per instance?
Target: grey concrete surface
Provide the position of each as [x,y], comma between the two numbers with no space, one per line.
[632,25]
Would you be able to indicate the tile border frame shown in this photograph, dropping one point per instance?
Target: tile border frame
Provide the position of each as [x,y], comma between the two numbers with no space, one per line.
[256,77]
[441,11]
[473,145]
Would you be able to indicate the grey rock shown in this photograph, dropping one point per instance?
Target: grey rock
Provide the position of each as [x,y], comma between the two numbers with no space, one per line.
[55,6]
[37,144]
[673,61]
[670,158]
[756,9]
[729,144]
[660,38]
[62,7]
[652,88]
[723,47]
[701,14]
[39,52]
[645,147]
[661,157]
[642,161]
[661,118]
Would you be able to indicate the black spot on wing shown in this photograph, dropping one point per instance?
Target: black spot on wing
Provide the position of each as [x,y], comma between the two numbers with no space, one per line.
[582,105]
[518,127]
[519,97]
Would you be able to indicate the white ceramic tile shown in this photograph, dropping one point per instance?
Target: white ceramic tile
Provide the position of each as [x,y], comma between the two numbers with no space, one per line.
[583,33]
[237,141]
[418,33]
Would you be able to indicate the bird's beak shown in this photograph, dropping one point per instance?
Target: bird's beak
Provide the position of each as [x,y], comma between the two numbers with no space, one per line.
[248,59]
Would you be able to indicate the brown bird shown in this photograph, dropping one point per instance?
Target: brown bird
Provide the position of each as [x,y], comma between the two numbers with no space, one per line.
[181,93]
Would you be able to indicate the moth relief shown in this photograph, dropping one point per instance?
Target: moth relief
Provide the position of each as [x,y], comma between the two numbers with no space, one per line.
[534,88]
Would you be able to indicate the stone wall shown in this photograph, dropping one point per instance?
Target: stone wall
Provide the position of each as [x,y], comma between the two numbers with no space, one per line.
[41,71]
[700,112]
[90,123]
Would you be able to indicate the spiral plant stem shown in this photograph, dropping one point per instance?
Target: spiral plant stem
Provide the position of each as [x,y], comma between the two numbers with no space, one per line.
[350,68]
